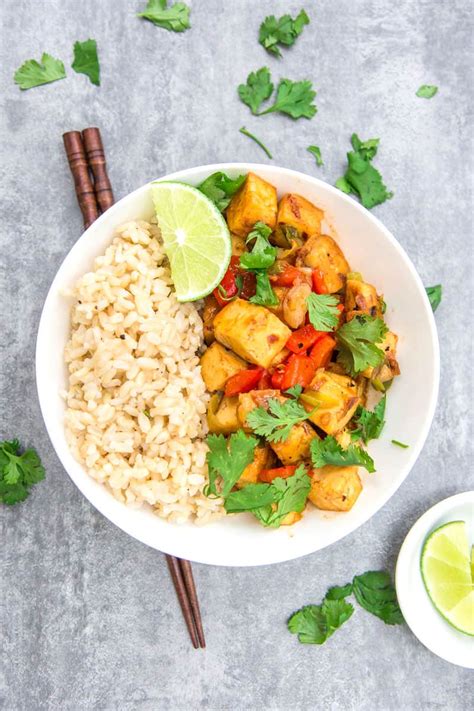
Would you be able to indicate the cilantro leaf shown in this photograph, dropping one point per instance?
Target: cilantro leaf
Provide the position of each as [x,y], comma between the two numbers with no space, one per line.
[263,255]
[356,343]
[257,89]
[400,444]
[289,494]
[227,459]
[294,98]
[316,152]
[174,18]
[369,424]
[329,451]
[283,31]
[339,591]
[257,140]
[322,311]
[295,391]
[33,73]
[314,624]
[250,497]
[18,472]
[275,424]
[219,188]
[86,60]
[264,294]
[435,294]
[376,594]
[427,91]
[361,178]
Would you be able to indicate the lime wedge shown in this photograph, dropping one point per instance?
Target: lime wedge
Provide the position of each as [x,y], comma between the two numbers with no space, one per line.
[195,237]
[446,571]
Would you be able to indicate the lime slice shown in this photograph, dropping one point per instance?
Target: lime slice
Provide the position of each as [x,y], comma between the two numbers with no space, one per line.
[446,571]
[195,237]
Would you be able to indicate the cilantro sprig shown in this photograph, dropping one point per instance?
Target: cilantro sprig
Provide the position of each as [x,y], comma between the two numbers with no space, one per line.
[329,451]
[369,424]
[435,294]
[86,60]
[33,73]
[227,459]
[361,178]
[256,140]
[374,591]
[294,98]
[275,424]
[322,311]
[18,472]
[427,91]
[357,343]
[316,152]
[258,261]
[174,18]
[219,188]
[281,31]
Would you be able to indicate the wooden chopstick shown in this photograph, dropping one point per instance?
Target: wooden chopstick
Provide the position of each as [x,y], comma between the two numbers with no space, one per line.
[86,157]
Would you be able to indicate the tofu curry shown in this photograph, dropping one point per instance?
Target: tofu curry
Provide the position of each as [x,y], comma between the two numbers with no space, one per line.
[295,341]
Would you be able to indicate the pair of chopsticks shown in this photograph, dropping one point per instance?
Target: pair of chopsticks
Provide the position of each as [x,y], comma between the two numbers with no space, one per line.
[86,157]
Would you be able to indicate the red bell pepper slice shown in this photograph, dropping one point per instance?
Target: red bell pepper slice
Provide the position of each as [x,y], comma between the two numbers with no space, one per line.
[303,338]
[319,285]
[299,371]
[265,382]
[277,377]
[268,475]
[228,288]
[287,277]
[322,350]
[243,382]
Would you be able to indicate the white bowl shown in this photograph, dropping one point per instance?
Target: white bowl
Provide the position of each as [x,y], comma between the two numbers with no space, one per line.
[240,540]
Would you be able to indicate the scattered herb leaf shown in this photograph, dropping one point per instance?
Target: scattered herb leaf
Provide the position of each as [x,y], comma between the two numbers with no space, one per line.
[219,188]
[369,423]
[33,73]
[275,423]
[294,98]
[227,458]
[339,591]
[250,497]
[435,294]
[314,624]
[257,89]
[356,343]
[361,178]
[400,444]
[86,60]
[283,31]
[290,496]
[174,18]
[295,391]
[322,311]
[427,91]
[18,472]
[343,185]
[263,255]
[376,594]
[244,131]
[316,152]
[329,451]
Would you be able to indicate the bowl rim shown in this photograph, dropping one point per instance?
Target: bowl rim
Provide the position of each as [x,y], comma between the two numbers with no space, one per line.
[429,410]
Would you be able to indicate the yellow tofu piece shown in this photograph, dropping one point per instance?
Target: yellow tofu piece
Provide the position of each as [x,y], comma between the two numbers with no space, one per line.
[263,459]
[252,331]
[335,488]
[336,398]
[389,368]
[361,298]
[256,201]
[218,364]
[321,252]
[294,211]
[222,415]
[296,446]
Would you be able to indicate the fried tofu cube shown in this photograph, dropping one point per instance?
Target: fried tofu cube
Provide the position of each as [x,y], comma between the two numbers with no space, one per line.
[335,397]
[263,459]
[389,368]
[255,201]
[361,298]
[218,364]
[252,331]
[321,252]
[335,488]
[300,215]
[222,415]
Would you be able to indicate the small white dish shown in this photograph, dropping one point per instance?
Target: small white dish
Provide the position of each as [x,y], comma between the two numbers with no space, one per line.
[419,612]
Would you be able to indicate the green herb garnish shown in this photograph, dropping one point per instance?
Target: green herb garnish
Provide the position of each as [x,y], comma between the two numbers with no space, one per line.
[275,424]
[283,31]
[356,343]
[322,311]
[174,18]
[258,261]
[295,391]
[314,624]
[244,131]
[293,98]
[435,294]
[361,178]
[369,425]
[329,451]
[219,188]
[400,444]
[18,472]
[86,60]
[33,73]
[227,459]
[258,88]
[316,152]
[376,594]
[427,91]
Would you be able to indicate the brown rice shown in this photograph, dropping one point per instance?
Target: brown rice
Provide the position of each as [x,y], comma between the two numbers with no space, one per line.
[136,405]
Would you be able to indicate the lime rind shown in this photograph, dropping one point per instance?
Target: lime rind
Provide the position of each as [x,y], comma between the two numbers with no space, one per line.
[447,575]
[195,237]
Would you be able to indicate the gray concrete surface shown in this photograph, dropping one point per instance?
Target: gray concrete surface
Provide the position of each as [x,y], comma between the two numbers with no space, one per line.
[89,619]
